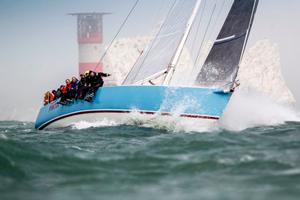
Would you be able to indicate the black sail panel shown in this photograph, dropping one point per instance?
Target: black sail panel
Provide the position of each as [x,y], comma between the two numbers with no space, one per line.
[222,63]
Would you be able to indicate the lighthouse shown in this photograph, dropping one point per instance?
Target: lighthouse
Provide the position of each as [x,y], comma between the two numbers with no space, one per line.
[90,39]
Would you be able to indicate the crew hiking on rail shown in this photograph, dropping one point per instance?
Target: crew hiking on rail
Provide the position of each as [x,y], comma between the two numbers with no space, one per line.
[84,89]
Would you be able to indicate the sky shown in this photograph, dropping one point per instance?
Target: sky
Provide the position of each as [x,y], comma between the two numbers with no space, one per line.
[38,48]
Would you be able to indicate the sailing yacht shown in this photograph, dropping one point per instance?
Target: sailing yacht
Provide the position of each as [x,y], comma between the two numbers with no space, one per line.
[152,86]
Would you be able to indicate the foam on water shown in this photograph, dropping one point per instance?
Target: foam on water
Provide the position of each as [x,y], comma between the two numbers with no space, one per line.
[84,124]
[172,123]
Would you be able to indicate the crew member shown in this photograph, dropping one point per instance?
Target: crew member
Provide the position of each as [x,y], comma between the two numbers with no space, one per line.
[64,94]
[95,81]
[73,89]
[58,93]
[82,87]
[55,95]
[48,98]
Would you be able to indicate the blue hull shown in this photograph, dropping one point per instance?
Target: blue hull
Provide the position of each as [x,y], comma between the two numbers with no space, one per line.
[185,101]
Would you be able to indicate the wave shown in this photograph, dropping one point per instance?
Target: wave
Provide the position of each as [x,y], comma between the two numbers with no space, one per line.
[250,108]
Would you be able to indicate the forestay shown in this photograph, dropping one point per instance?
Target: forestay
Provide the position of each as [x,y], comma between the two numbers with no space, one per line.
[159,53]
[221,66]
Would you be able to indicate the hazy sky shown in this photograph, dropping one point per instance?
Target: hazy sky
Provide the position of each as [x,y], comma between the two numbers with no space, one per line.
[39,50]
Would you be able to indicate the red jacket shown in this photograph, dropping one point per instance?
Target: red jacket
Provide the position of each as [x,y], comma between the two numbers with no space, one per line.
[64,89]
[69,86]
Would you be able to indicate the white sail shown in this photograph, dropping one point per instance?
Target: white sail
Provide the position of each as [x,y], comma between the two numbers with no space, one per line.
[156,58]
[174,62]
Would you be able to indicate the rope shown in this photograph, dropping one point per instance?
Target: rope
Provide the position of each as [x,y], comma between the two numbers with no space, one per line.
[119,30]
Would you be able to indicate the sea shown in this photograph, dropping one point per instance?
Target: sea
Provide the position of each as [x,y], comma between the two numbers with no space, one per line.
[252,152]
[133,161]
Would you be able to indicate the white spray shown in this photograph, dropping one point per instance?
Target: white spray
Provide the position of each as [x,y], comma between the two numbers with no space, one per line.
[262,99]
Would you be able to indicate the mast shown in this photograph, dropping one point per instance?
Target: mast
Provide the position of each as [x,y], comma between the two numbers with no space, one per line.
[174,61]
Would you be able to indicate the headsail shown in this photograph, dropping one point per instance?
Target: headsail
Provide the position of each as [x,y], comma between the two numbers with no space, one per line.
[159,53]
[222,63]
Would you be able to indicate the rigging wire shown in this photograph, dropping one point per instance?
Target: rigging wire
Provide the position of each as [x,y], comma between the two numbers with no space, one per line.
[204,37]
[154,36]
[157,15]
[184,39]
[118,32]
[205,33]
[152,43]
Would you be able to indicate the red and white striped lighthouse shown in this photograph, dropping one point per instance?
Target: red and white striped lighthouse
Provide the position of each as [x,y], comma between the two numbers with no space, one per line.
[90,38]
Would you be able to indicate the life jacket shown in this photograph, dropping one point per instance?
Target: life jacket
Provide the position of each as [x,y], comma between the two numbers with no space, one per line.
[64,89]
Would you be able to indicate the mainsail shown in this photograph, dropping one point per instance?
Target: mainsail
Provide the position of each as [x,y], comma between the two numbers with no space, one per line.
[221,66]
[157,56]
